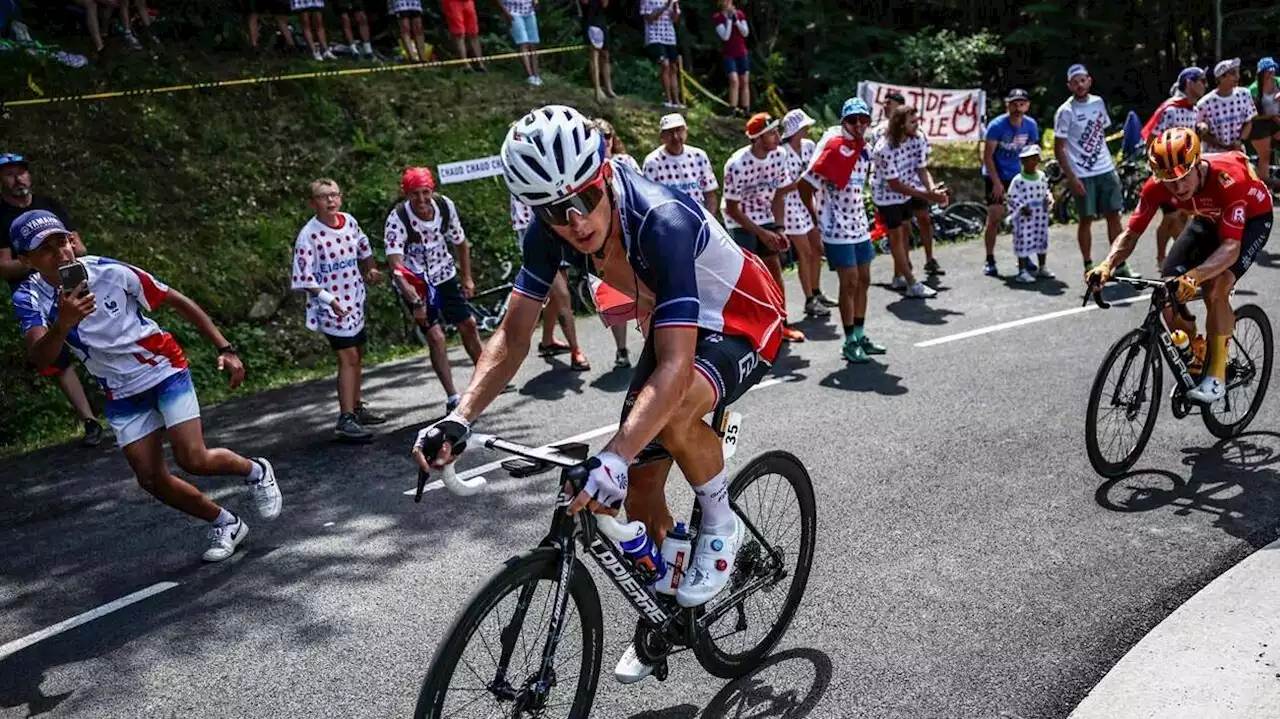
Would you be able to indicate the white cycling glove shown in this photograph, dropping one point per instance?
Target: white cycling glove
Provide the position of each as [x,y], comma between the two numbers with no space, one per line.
[455,429]
[607,481]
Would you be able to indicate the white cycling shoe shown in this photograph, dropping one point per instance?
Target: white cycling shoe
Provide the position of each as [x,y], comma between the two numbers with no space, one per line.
[630,669]
[713,561]
[1211,390]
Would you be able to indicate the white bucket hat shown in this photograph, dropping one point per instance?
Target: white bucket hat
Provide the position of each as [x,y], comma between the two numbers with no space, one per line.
[795,121]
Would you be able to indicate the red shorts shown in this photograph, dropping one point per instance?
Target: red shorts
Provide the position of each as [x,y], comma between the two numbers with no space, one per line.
[460,16]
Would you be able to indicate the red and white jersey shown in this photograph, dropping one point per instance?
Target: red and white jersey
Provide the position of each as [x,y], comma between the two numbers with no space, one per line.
[798,220]
[753,181]
[328,258]
[429,256]
[690,171]
[900,163]
[1225,116]
[126,350]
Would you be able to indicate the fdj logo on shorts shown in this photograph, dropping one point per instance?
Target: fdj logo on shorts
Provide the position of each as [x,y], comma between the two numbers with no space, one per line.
[747,365]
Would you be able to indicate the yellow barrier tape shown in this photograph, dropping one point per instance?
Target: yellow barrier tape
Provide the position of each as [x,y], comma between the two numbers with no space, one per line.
[270,78]
[776,104]
[687,78]
[31,83]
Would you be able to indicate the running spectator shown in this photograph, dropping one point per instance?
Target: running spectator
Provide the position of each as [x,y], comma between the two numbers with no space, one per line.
[731,27]
[1080,145]
[1002,146]
[1266,126]
[311,17]
[798,222]
[1224,117]
[902,187]
[142,368]
[756,180]
[1178,111]
[613,147]
[346,9]
[328,256]
[417,234]
[839,168]
[681,166]
[460,16]
[595,29]
[660,38]
[412,38]
[1030,203]
[278,10]
[559,306]
[16,199]
[523,16]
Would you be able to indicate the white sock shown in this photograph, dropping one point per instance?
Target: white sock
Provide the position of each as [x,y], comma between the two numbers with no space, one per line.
[454,398]
[713,499]
[255,471]
[224,518]
[368,49]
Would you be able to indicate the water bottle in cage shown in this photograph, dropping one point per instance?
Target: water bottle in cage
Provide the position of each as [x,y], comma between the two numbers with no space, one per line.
[637,545]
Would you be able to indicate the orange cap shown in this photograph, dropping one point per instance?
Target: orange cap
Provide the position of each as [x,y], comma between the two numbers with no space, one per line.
[759,124]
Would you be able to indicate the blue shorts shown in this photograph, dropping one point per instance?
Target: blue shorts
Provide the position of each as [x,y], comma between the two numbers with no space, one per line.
[737,65]
[169,403]
[524,29]
[853,254]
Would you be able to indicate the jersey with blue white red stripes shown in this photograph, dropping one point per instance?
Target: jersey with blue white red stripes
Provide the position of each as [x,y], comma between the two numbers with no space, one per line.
[124,349]
[699,276]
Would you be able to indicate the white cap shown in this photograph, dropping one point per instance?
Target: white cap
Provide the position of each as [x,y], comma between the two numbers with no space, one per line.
[1030,151]
[1226,66]
[794,122]
[671,122]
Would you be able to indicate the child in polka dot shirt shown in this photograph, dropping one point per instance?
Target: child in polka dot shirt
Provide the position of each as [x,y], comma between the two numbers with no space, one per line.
[328,259]
[1029,205]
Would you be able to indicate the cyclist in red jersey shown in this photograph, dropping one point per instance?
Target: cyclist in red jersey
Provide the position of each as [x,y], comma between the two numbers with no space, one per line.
[1231,221]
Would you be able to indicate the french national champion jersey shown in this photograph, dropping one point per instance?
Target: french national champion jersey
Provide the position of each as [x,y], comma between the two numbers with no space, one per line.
[126,350]
[698,275]
[1232,194]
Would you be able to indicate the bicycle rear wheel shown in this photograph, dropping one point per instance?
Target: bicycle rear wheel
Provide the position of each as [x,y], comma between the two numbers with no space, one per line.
[1117,404]
[1249,356]
[727,648]
[531,578]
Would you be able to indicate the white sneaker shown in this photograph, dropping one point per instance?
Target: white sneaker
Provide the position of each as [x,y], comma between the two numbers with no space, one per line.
[1024,277]
[328,55]
[921,291]
[630,669]
[225,540]
[1044,273]
[713,561]
[899,282]
[315,55]
[1211,390]
[531,80]
[266,493]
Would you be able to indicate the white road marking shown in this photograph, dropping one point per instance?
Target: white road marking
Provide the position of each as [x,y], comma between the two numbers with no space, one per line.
[1024,321]
[18,645]
[589,434]
[328,524]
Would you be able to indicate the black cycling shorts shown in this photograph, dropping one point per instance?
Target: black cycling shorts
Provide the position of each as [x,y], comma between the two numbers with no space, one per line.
[1199,239]
[896,216]
[729,362]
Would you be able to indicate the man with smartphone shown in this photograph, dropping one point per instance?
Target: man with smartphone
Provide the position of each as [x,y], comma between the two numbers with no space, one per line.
[95,305]
[16,198]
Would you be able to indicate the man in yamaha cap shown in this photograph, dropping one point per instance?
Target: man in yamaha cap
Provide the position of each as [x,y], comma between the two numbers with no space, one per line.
[16,198]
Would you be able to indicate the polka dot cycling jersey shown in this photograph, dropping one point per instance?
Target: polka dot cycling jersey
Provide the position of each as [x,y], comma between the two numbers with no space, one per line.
[798,220]
[842,218]
[690,171]
[328,258]
[424,250]
[1225,116]
[753,181]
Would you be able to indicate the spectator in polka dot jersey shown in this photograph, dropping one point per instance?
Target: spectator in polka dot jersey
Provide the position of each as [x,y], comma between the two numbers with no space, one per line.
[328,256]
[681,166]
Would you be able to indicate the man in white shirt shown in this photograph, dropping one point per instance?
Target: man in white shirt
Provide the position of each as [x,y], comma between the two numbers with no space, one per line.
[1224,117]
[680,166]
[1080,145]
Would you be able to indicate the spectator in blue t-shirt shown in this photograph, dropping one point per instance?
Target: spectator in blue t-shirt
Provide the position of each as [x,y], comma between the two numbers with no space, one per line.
[1005,137]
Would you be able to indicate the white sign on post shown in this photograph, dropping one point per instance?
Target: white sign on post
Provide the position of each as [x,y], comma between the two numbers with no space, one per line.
[944,114]
[470,169]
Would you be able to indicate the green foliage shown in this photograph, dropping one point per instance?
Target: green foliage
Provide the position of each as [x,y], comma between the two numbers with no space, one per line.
[946,59]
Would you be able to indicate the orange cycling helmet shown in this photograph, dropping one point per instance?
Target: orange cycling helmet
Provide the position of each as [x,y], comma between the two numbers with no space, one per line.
[1174,153]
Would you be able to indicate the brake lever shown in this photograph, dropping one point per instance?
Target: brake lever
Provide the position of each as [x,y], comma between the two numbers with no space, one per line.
[422,484]
[1096,293]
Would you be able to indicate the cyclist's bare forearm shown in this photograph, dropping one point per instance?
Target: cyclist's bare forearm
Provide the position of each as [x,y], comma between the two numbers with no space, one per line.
[661,397]
[502,356]
[1122,248]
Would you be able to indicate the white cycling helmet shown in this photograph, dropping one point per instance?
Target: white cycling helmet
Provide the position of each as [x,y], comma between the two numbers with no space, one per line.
[550,154]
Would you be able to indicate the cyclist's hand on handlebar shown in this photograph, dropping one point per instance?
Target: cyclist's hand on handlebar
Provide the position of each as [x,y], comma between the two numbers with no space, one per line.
[440,443]
[1185,288]
[606,485]
[1098,276]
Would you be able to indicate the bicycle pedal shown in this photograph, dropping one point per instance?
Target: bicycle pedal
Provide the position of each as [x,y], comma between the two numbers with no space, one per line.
[661,670]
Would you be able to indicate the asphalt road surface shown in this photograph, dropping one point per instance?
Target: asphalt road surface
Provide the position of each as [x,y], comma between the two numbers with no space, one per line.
[969,563]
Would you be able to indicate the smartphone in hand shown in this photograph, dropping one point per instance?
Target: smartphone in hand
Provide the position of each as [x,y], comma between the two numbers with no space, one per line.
[73,274]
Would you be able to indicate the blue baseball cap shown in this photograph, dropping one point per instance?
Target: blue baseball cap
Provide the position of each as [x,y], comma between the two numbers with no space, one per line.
[1267,63]
[10,158]
[31,228]
[1189,74]
[854,106]
[1076,70]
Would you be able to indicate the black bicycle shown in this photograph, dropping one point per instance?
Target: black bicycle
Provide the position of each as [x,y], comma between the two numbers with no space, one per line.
[1131,400]
[502,672]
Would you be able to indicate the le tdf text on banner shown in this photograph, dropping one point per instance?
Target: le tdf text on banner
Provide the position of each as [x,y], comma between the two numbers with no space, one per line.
[944,114]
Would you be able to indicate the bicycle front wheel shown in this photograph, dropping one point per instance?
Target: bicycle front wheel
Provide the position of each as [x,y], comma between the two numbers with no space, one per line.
[489,662]
[1122,408]
[775,494]
[1249,355]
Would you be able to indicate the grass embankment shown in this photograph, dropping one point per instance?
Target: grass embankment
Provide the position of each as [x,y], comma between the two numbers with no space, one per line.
[207,190]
